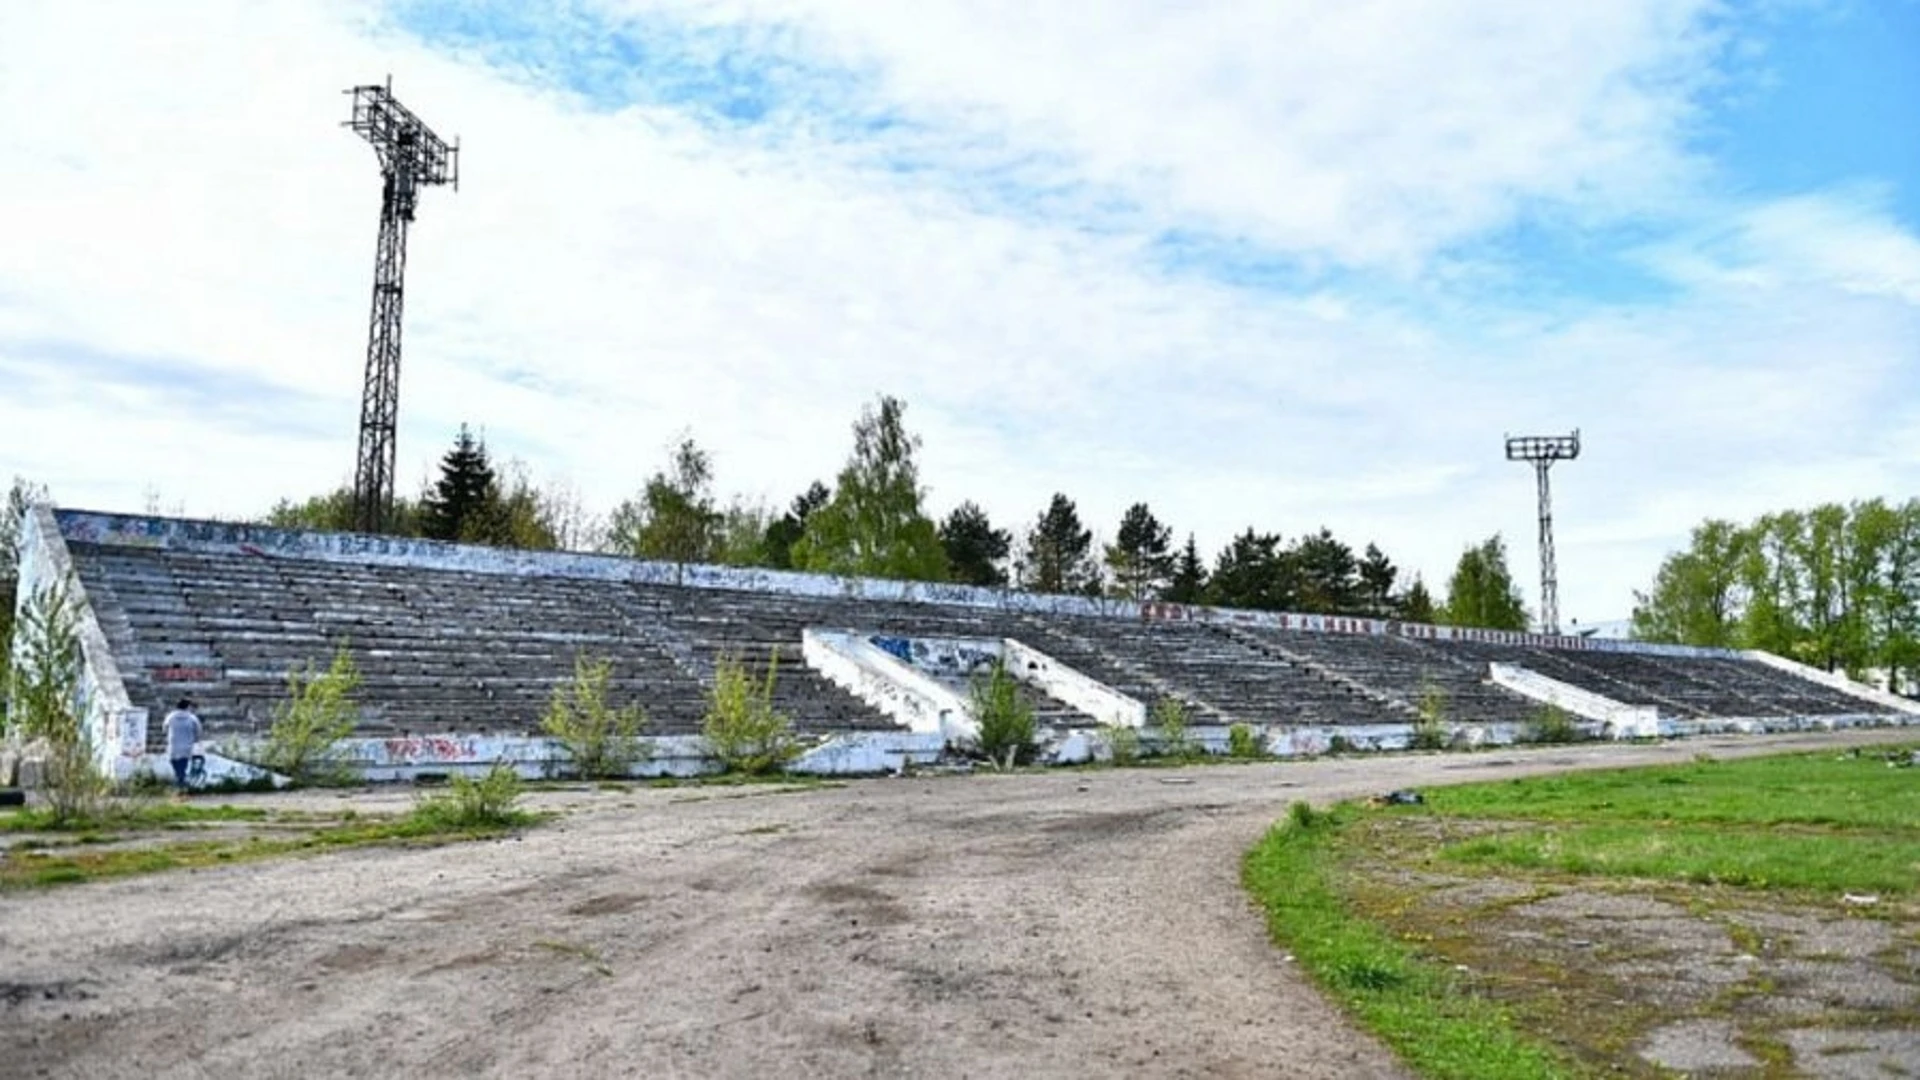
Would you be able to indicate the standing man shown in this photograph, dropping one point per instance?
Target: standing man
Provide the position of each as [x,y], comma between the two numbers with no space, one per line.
[183,730]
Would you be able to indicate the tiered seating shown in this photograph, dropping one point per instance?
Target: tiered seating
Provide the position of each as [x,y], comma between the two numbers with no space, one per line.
[1408,671]
[1227,680]
[444,650]
[1677,686]
[438,650]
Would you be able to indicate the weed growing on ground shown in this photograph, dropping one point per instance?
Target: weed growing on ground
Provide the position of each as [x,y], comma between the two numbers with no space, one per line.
[1244,743]
[1123,743]
[489,802]
[308,725]
[1008,734]
[742,728]
[1430,730]
[1553,725]
[601,741]
[1171,722]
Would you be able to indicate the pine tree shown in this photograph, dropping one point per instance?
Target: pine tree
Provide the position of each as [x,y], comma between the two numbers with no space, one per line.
[1058,557]
[787,531]
[976,551]
[1139,557]
[1376,582]
[873,525]
[1189,582]
[1416,604]
[1254,572]
[460,500]
[1329,575]
[1481,591]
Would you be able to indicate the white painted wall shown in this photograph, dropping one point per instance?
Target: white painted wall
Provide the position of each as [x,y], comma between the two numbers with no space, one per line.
[1082,692]
[117,730]
[1837,681]
[911,698]
[1617,719]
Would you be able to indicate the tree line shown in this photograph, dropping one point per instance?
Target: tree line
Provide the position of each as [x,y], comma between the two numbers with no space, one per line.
[1837,587]
[872,521]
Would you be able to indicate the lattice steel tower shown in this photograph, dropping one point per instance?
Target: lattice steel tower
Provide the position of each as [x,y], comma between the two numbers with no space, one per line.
[411,156]
[1543,451]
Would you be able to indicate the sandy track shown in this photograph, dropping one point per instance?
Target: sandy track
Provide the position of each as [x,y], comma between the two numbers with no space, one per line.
[1067,924]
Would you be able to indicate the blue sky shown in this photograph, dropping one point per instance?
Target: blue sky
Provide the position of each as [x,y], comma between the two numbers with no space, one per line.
[1267,265]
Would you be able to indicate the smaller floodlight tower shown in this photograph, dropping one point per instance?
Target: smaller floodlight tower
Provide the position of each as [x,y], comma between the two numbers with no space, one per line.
[1543,451]
[411,156]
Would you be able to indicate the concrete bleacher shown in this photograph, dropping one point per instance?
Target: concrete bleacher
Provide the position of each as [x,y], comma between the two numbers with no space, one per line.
[460,641]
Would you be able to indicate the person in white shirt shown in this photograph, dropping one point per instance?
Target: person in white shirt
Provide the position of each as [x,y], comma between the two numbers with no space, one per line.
[183,730]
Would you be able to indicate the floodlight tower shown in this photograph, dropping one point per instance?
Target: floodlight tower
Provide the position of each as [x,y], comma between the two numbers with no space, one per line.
[1543,451]
[411,156]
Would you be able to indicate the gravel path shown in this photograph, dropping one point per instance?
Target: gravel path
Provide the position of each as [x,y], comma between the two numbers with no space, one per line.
[1074,924]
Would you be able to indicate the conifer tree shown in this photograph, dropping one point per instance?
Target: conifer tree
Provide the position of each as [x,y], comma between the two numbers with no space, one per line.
[460,500]
[1189,581]
[791,526]
[1059,551]
[976,551]
[1329,575]
[1376,582]
[1139,557]
[1416,604]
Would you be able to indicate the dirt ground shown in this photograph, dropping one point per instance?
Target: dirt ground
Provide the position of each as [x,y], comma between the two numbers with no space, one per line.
[1062,924]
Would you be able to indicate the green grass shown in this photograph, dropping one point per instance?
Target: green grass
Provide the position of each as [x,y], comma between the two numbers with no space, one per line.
[1823,822]
[134,815]
[1806,821]
[43,867]
[1706,855]
[1841,790]
[1416,1006]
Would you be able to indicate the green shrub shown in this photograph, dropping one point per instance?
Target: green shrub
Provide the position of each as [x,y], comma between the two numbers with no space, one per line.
[742,728]
[1008,735]
[488,802]
[600,741]
[1170,719]
[318,712]
[1243,742]
[1430,730]
[1553,725]
[1302,816]
[45,690]
[1123,743]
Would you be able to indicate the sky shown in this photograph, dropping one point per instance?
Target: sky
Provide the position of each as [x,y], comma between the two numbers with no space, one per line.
[1256,263]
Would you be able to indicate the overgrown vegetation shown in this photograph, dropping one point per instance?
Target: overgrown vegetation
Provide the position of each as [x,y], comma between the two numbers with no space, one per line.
[308,725]
[44,686]
[742,728]
[486,802]
[602,742]
[1416,1005]
[1553,724]
[1123,743]
[1430,730]
[1244,743]
[1170,723]
[125,837]
[1008,733]
[1793,830]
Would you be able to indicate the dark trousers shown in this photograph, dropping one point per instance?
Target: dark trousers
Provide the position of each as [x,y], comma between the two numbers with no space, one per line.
[179,771]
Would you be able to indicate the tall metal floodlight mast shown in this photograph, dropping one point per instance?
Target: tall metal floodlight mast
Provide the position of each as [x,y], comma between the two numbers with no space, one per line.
[1543,451]
[411,156]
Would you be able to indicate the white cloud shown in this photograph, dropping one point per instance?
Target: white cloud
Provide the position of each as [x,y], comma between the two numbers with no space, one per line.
[178,189]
